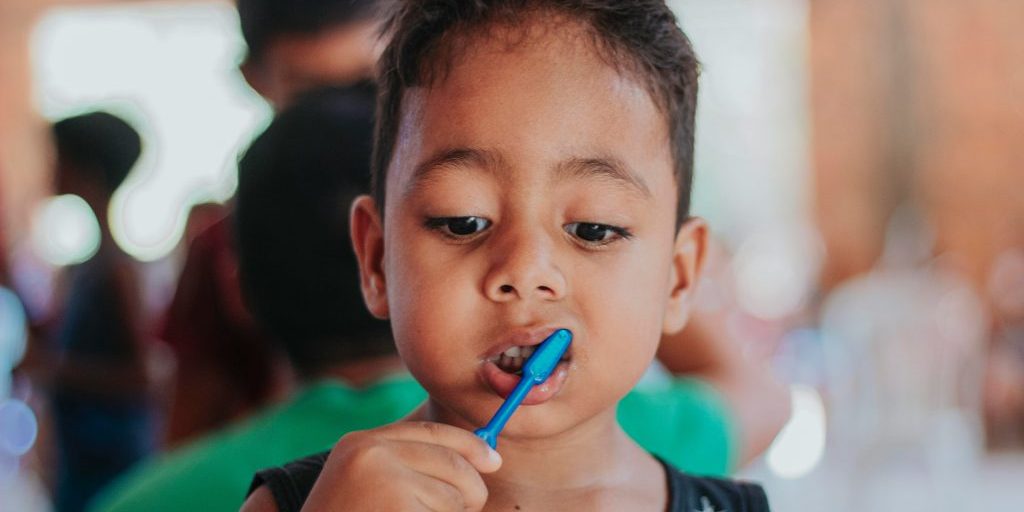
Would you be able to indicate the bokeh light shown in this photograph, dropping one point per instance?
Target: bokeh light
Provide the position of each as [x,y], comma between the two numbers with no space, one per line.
[65,231]
[12,330]
[13,337]
[18,427]
[800,446]
[776,270]
[133,60]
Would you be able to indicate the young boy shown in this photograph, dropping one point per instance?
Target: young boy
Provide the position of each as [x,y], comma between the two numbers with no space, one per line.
[532,172]
[298,45]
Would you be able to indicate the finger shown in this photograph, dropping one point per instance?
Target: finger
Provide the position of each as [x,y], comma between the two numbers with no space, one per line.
[436,495]
[445,465]
[471,447]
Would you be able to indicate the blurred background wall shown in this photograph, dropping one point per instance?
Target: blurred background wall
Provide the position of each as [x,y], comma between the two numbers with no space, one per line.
[908,102]
[917,102]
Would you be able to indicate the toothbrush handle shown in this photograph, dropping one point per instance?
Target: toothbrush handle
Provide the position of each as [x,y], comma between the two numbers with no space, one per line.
[490,432]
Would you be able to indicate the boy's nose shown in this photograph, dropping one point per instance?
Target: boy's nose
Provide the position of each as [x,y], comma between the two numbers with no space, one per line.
[523,269]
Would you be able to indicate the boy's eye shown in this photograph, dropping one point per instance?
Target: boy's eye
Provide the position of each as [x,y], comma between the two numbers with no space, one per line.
[596,234]
[459,227]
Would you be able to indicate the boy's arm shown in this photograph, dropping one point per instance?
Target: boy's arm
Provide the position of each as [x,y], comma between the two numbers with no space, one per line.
[758,401]
[261,500]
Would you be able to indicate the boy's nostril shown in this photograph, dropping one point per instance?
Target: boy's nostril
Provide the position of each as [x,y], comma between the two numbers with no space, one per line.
[507,288]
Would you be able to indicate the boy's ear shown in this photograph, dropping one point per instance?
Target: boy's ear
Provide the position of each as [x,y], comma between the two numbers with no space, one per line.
[368,242]
[687,263]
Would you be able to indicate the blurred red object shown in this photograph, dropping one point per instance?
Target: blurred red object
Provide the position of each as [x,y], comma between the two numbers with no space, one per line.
[226,368]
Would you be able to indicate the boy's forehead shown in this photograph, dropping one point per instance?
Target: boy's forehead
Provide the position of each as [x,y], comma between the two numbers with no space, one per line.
[493,162]
[548,100]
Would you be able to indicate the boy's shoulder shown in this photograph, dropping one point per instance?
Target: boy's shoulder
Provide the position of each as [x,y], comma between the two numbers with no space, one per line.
[291,484]
[689,493]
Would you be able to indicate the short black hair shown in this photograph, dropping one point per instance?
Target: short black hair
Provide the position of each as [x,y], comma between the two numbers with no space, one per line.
[100,145]
[297,268]
[264,20]
[639,37]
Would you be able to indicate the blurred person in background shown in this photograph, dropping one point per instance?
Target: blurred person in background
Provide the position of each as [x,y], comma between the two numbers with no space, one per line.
[298,46]
[226,368]
[300,279]
[101,393]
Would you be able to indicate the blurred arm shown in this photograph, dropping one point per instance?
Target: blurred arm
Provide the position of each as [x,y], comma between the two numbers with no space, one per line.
[758,401]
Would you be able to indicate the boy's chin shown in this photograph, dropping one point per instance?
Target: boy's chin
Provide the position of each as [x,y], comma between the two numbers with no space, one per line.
[535,428]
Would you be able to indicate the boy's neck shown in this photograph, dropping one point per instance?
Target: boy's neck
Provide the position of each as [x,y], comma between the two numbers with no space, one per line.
[594,462]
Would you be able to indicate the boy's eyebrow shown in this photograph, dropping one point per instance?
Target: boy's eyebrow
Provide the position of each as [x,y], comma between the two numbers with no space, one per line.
[603,167]
[471,158]
[489,161]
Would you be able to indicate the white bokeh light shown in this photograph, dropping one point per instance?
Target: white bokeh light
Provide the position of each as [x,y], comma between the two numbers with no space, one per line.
[13,337]
[65,231]
[777,269]
[752,140]
[800,446]
[170,70]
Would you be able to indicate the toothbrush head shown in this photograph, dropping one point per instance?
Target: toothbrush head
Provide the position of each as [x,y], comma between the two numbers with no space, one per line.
[543,361]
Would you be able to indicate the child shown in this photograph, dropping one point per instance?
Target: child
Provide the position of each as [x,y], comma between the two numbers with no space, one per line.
[295,46]
[532,172]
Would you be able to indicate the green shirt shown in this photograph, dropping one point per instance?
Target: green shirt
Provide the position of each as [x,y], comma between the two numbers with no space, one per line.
[684,421]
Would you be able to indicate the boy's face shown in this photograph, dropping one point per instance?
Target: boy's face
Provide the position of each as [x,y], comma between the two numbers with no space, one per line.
[531,188]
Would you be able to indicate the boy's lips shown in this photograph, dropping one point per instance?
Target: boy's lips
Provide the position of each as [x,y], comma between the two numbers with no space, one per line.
[502,382]
[523,338]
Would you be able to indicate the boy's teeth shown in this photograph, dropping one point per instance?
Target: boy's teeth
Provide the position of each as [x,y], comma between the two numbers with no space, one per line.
[513,358]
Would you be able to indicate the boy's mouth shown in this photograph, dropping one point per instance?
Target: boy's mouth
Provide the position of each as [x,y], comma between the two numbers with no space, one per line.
[514,357]
[503,366]
[512,354]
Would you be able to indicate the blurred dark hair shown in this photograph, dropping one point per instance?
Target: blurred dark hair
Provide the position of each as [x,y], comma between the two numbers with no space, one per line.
[99,145]
[264,20]
[639,37]
[297,267]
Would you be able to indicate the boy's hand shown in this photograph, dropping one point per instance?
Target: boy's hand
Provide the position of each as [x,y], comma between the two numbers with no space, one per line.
[405,466]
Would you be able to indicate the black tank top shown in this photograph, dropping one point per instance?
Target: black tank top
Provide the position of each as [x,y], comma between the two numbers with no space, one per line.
[291,484]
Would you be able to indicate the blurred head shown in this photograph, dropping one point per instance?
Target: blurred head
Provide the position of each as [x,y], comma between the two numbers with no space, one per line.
[95,153]
[297,269]
[300,45]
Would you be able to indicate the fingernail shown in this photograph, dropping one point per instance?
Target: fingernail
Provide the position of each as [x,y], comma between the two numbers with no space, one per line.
[493,455]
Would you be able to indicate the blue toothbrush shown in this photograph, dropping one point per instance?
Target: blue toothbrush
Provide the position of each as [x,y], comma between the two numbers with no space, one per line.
[535,371]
